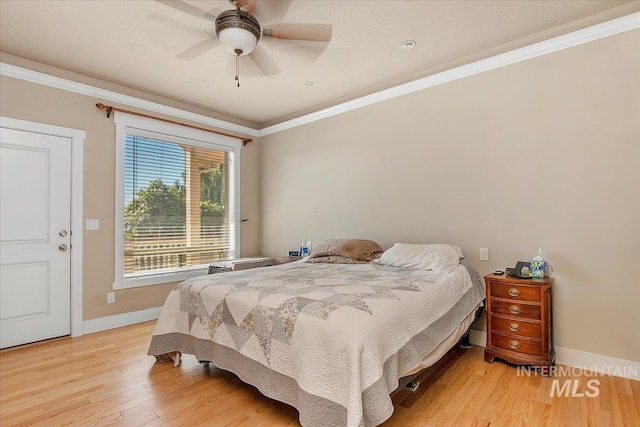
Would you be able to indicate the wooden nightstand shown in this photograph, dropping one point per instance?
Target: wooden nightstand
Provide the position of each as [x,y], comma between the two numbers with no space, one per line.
[519,321]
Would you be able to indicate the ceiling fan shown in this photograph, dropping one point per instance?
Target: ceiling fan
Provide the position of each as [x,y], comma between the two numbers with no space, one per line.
[239,32]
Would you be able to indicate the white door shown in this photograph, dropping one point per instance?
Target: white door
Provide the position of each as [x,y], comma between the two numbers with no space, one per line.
[35,205]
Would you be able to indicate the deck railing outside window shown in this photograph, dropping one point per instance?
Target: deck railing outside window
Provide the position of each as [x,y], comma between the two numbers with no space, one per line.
[177,210]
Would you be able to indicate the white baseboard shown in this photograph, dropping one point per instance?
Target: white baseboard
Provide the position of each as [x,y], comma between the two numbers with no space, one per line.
[119,320]
[581,359]
[598,362]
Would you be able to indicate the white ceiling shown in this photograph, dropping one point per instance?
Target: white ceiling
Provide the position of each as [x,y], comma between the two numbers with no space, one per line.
[135,43]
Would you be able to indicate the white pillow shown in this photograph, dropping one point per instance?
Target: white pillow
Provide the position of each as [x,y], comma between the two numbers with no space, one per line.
[443,258]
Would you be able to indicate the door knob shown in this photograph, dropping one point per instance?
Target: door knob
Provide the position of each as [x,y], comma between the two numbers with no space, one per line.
[62,233]
[62,247]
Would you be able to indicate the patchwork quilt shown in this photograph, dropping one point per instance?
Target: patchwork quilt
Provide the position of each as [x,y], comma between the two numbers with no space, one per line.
[332,340]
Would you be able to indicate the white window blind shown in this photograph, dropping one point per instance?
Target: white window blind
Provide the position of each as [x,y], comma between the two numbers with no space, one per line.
[179,204]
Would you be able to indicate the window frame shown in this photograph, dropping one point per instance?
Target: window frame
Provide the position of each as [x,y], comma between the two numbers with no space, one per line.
[142,126]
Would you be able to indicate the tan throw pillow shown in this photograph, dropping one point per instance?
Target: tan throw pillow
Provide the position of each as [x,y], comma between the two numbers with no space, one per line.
[358,249]
[335,259]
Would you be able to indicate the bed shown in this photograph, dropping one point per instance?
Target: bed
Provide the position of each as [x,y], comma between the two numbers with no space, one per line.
[332,340]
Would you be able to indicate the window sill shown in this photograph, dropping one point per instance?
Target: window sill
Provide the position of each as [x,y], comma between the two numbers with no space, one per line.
[158,279]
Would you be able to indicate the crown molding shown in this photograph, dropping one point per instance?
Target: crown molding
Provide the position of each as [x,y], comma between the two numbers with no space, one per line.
[108,95]
[586,35]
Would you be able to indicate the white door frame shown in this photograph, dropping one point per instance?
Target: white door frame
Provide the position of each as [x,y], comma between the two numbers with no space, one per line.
[77,141]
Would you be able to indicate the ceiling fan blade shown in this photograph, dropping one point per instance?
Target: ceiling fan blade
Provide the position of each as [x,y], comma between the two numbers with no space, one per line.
[305,52]
[198,49]
[308,32]
[172,23]
[264,62]
[187,8]
[277,10]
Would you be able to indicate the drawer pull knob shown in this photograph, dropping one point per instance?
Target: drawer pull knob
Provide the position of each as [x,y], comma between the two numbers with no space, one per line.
[514,309]
[514,344]
[513,292]
[514,327]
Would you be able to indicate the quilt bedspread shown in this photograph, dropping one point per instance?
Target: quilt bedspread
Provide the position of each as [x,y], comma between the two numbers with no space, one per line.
[330,339]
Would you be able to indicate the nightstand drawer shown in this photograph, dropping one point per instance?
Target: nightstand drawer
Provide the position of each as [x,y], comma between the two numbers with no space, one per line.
[512,291]
[519,345]
[516,309]
[515,327]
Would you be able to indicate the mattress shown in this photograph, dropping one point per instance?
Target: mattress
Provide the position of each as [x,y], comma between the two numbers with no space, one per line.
[332,340]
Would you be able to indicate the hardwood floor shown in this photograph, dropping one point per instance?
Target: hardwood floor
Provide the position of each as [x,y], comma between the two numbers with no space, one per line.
[107,379]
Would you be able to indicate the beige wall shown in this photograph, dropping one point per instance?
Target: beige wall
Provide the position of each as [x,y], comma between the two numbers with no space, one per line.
[543,153]
[33,102]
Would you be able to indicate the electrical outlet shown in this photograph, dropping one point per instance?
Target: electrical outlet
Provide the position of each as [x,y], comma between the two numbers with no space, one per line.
[484,254]
[111,298]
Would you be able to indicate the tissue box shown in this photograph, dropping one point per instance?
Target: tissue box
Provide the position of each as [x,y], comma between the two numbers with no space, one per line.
[537,269]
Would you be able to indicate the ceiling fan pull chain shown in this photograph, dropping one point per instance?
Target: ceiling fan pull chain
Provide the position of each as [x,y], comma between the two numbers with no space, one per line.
[238,53]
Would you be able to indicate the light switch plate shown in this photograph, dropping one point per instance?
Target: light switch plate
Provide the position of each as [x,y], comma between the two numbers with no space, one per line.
[93,224]
[484,254]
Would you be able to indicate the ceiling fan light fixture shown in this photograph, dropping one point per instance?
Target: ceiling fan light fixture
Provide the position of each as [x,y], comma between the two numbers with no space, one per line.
[237,39]
[237,32]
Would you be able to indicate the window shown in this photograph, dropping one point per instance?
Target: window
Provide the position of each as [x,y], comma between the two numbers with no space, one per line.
[177,201]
